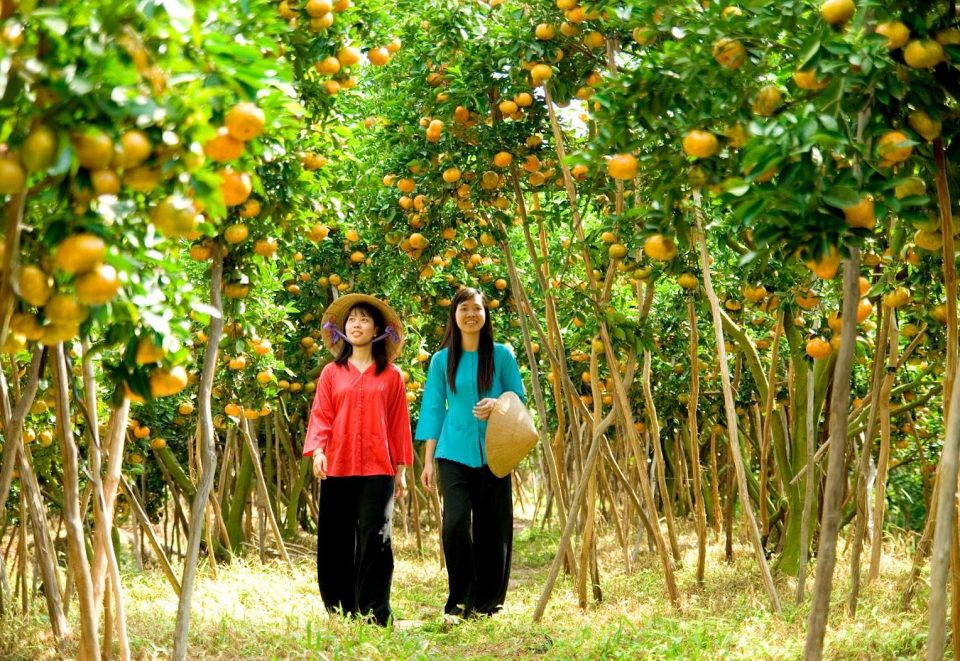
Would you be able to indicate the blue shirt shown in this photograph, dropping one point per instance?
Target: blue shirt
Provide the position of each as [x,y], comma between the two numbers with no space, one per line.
[448,416]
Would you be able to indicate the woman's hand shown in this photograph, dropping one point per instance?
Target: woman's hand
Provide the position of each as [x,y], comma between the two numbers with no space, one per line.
[400,482]
[484,408]
[426,476]
[319,465]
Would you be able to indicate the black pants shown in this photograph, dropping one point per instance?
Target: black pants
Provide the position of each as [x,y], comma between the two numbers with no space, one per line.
[477,537]
[354,552]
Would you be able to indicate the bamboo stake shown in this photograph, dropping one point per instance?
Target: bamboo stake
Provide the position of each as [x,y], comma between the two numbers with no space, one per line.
[731,414]
[76,549]
[575,504]
[659,461]
[808,492]
[879,502]
[866,453]
[692,404]
[620,395]
[262,490]
[767,429]
[836,469]
[208,459]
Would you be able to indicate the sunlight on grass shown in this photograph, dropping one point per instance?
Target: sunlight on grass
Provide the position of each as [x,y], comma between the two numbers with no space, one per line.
[255,611]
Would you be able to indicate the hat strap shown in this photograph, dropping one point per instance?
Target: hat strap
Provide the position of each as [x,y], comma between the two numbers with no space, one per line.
[336,335]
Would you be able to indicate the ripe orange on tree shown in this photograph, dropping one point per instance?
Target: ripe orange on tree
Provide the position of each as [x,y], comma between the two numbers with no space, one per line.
[660,248]
[700,144]
[622,166]
[235,186]
[244,121]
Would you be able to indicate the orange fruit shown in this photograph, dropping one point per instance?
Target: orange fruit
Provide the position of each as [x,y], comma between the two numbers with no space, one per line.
[327,66]
[818,348]
[700,144]
[158,443]
[503,159]
[897,33]
[660,248]
[94,149]
[13,178]
[768,100]
[244,121]
[236,290]
[148,352]
[540,73]
[896,298]
[861,214]
[928,128]
[185,409]
[688,281]
[729,53]
[892,149]
[864,310]
[104,182]
[622,166]
[80,253]
[317,8]
[807,80]
[923,54]
[223,147]
[174,216]
[348,56]
[236,233]
[826,266]
[507,107]
[166,382]
[235,187]
[617,251]
[142,179]
[417,241]
[65,309]
[545,32]
[930,241]
[135,148]
[266,247]
[35,286]
[98,286]
[837,12]
[39,149]
[394,45]
[378,56]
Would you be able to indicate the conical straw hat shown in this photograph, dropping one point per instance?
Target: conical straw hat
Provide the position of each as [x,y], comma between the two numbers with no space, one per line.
[336,313]
[510,434]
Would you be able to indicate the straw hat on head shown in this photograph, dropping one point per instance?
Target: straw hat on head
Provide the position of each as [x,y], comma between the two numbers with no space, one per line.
[335,316]
[510,434]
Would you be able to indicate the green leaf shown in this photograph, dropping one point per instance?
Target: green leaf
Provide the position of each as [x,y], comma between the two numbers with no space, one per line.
[841,197]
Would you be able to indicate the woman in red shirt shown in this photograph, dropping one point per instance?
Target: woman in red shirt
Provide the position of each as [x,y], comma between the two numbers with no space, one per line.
[359,437]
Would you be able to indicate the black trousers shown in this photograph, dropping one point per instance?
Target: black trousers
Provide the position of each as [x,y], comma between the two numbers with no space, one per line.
[477,537]
[354,550]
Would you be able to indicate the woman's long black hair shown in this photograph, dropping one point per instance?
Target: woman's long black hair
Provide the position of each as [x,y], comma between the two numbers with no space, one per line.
[453,342]
[379,348]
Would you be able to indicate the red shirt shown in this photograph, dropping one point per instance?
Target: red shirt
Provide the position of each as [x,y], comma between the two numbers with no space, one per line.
[360,421]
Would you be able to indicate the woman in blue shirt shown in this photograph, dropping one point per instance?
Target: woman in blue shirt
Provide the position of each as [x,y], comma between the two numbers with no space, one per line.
[465,378]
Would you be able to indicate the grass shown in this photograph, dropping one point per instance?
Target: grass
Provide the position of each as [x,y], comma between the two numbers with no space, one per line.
[255,611]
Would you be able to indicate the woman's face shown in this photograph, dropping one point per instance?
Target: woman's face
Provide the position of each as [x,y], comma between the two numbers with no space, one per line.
[470,315]
[359,327]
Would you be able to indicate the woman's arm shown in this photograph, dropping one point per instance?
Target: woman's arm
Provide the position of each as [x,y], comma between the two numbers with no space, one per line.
[427,477]
[320,424]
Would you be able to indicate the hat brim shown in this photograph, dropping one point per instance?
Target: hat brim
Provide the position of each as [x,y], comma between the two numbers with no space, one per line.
[511,434]
[337,312]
